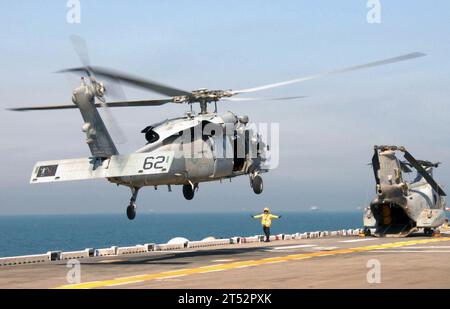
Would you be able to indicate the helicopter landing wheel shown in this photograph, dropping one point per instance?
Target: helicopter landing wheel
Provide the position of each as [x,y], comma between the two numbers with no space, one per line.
[367,232]
[131,211]
[188,192]
[257,184]
[428,232]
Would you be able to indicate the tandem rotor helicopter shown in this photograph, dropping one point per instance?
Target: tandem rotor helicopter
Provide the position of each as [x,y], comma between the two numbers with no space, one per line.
[402,207]
[173,154]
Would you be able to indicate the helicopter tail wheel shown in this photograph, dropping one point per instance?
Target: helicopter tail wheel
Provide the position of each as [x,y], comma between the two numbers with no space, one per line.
[257,184]
[188,191]
[131,211]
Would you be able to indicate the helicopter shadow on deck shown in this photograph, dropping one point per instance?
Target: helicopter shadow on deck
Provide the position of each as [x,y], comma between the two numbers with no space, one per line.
[178,258]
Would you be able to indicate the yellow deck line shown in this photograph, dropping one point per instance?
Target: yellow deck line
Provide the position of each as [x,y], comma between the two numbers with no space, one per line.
[240,264]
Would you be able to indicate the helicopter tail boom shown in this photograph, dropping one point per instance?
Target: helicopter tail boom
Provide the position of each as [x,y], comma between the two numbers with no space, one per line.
[97,136]
[136,164]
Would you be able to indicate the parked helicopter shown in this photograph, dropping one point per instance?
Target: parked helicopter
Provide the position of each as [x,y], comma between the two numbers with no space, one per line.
[174,154]
[403,207]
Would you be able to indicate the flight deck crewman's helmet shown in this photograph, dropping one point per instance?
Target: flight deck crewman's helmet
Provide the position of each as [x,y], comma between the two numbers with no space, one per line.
[266,210]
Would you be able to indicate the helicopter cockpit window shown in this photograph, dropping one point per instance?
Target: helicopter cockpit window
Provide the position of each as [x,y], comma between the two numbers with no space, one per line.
[173,138]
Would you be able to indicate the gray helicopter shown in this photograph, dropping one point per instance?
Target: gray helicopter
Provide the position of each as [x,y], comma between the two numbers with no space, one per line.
[187,150]
[402,207]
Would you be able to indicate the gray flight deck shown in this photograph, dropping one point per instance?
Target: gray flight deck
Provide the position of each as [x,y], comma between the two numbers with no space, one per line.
[329,262]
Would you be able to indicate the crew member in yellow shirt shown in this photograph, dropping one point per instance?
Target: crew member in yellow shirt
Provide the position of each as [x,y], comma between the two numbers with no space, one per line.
[266,221]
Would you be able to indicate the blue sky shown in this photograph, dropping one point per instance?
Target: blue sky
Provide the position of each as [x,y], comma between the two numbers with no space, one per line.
[326,139]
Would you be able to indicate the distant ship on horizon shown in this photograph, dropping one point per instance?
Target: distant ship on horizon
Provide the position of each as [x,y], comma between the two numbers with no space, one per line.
[314,208]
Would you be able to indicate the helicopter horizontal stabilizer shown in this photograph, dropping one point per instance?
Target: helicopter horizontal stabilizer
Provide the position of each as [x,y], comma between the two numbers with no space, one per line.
[91,168]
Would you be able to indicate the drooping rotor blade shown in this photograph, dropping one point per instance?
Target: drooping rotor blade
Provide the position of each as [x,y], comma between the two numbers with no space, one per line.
[424,173]
[428,163]
[133,81]
[405,167]
[376,166]
[108,104]
[262,99]
[344,70]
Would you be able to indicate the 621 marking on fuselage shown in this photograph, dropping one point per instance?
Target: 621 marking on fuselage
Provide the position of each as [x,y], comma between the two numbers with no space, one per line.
[156,163]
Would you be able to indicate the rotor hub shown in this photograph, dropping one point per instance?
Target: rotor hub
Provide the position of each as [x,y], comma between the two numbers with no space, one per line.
[206,95]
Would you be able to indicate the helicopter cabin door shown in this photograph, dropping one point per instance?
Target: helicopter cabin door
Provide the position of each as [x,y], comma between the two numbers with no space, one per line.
[199,163]
[223,156]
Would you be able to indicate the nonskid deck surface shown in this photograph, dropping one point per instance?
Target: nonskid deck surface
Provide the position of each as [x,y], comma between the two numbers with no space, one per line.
[334,262]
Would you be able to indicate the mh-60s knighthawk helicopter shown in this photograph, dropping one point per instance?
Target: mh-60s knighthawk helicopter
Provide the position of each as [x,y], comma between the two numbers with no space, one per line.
[174,154]
[403,207]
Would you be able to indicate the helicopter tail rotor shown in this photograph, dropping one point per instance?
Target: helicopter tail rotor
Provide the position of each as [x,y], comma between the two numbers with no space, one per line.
[80,47]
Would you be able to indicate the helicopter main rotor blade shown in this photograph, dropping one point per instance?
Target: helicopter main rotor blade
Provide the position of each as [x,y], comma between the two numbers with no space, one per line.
[262,99]
[155,102]
[133,81]
[42,108]
[137,103]
[344,70]
[424,173]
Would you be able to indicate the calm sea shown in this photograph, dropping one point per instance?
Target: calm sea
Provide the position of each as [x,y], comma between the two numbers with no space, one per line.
[34,234]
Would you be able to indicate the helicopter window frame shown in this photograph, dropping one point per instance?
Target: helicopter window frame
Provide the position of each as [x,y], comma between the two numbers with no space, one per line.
[172,138]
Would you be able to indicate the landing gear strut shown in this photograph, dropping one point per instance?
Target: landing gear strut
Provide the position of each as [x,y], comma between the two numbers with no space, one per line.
[256,183]
[131,209]
[189,191]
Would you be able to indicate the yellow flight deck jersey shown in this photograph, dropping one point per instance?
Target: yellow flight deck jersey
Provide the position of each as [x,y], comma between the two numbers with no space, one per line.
[266,219]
